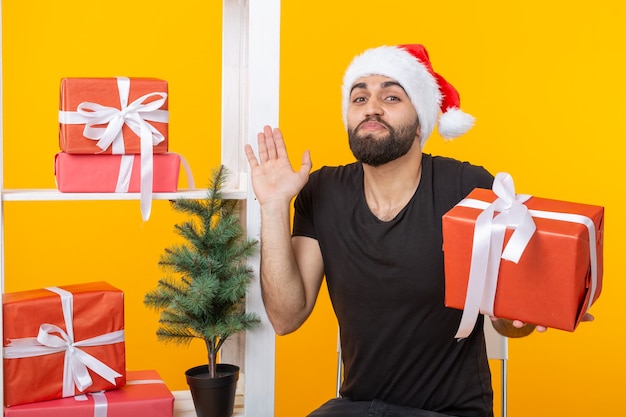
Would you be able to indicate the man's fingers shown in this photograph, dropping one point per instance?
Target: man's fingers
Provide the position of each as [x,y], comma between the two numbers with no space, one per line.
[588,317]
[270,142]
[262,147]
[252,161]
[306,166]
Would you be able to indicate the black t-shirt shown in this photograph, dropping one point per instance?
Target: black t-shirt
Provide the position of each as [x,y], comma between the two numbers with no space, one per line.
[386,283]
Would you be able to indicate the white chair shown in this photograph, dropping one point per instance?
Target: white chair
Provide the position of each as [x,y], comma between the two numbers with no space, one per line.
[497,349]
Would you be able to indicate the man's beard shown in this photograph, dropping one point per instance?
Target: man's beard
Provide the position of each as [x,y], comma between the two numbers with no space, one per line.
[375,152]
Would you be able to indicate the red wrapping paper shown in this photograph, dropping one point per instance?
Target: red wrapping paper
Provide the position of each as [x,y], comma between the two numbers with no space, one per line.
[99,173]
[105,92]
[144,395]
[551,283]
[98,309]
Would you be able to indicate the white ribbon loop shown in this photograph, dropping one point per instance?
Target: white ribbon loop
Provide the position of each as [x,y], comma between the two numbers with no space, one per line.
[515,216]
[53,339]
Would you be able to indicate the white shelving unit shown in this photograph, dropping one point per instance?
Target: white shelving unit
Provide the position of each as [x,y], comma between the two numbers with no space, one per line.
[250,85]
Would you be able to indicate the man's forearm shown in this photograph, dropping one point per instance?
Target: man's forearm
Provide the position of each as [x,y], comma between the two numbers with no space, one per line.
[281,283]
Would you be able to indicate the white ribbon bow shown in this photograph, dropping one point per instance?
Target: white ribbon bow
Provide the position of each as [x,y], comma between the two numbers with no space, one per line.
[489,239]
[76,362]
[136,116]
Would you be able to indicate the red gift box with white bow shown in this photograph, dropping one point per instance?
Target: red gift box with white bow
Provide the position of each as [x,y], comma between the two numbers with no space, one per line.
[62,341]
[118,115]
[521,257]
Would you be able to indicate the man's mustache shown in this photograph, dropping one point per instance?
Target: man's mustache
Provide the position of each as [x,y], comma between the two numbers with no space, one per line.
[376,119]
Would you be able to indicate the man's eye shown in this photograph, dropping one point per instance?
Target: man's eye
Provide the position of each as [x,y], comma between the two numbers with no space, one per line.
[392,98]
[358,100]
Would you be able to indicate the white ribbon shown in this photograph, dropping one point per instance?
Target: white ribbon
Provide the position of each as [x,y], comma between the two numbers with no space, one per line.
[100,404]
[126,168]
[136,116]
[191,184]
[125,173]
[76,362]
[488,242]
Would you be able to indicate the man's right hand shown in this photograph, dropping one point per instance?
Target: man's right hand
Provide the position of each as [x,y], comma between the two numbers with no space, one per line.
[273,178]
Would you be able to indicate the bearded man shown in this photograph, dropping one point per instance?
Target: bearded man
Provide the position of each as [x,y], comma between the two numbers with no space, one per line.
[373,229]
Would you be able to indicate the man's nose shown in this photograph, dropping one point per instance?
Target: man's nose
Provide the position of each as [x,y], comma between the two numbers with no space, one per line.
[373,107]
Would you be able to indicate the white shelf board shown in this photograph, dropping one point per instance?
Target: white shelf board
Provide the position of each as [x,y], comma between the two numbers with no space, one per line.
[55,195]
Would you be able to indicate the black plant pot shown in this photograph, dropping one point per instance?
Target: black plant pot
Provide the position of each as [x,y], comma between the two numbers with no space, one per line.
[213,397]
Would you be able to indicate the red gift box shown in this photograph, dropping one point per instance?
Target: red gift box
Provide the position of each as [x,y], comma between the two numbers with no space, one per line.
[62,341]
[113,115]
[144,395]
[556,278]
[106,173]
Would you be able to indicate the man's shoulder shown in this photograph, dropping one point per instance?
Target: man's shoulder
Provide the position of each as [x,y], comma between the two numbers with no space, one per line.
[329,181]
[453,179]
[338,172]
[443,165]
[447,162]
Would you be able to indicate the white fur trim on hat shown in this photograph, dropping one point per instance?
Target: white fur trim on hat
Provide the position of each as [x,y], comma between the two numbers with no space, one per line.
[410,66]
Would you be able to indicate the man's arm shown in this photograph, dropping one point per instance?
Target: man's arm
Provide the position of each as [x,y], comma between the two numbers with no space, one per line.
[291,272]
[291,269]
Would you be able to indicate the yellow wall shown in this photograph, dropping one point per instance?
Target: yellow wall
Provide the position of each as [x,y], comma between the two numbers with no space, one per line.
[544,82]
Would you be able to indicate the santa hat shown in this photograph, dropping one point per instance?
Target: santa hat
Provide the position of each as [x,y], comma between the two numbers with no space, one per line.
[429,92]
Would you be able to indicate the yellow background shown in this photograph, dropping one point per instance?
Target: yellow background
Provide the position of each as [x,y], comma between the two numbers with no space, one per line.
[544,80]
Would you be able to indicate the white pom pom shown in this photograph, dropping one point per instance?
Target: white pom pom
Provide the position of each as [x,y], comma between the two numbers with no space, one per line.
[454,123]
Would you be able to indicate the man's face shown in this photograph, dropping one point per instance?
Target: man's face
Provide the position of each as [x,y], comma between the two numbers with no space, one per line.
[382,122]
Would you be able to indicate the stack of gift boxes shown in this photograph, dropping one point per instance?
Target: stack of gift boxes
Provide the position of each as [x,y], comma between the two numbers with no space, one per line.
[63,347]
[64,355]
[113,137]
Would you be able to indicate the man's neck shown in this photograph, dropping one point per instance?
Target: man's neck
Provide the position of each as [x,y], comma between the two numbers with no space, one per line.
[389,187]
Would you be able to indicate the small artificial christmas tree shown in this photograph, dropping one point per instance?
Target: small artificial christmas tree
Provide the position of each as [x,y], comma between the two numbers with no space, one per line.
[203,296]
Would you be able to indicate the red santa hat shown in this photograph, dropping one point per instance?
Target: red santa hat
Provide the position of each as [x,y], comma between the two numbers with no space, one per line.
[429,92]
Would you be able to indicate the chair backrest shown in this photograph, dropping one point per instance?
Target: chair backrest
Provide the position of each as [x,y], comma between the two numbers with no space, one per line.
[497,345]
[498,349]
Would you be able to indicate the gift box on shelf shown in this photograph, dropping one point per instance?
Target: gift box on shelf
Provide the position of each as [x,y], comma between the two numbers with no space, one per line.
[145,394]
[114,173]
[118,115]
[523,258]
[62,341]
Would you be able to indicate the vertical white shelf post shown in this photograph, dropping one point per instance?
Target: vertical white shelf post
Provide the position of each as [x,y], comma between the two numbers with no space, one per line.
[250,93]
